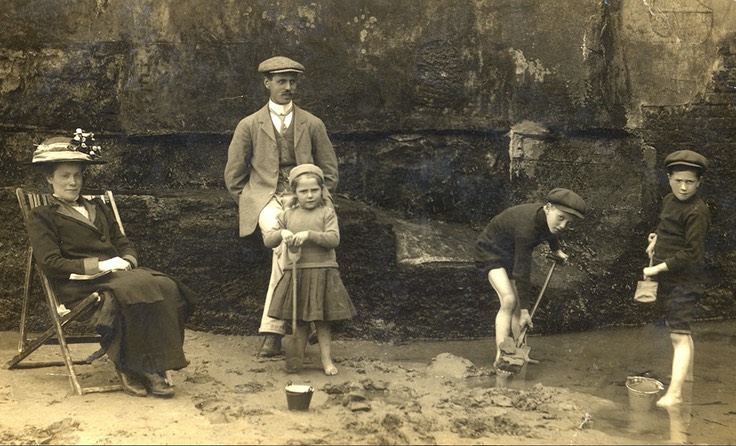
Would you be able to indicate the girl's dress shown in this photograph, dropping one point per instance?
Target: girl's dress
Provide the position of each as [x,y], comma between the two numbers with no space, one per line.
[321,295]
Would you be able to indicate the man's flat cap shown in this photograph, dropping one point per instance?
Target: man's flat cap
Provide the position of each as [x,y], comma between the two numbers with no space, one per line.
[686,158]
[567,201]
[280,64]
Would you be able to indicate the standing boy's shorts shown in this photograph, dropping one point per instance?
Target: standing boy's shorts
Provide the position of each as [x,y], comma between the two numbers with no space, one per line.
[680,300]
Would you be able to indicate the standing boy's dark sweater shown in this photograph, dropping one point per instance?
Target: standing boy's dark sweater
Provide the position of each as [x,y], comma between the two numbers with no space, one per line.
[681,233]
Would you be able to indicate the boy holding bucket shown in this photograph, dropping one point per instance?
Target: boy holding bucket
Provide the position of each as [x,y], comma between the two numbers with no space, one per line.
[678,246]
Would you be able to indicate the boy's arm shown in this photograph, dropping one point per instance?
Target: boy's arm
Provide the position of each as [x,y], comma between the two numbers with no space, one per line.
[696,227]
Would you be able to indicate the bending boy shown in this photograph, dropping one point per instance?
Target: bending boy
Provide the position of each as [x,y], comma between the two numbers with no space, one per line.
[503,252]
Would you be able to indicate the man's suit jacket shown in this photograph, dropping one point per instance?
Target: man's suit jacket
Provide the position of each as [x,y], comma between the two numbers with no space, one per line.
[251,172]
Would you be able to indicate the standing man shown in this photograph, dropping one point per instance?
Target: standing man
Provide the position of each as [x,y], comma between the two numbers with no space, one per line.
[266,145]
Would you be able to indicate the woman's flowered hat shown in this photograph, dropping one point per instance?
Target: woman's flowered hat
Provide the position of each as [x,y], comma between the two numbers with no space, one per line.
[81,148]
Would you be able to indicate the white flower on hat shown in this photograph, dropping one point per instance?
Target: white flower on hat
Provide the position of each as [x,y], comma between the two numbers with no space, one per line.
[81,138]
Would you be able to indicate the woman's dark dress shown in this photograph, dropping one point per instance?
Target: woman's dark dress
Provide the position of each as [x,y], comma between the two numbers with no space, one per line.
[143,311]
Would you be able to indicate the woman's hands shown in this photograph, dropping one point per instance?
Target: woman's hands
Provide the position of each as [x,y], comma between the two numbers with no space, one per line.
[114,264]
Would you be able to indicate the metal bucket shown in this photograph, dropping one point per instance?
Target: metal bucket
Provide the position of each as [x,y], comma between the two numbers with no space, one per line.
[643,392]
[298,396]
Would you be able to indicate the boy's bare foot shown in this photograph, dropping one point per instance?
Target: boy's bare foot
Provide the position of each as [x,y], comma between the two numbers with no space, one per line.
[668,401]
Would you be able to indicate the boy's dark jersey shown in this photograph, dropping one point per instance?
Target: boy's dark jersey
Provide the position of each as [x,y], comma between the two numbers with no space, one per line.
[681,233]
[508,241]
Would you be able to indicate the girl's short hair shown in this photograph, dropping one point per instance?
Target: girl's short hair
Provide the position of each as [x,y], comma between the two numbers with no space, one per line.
[294,183]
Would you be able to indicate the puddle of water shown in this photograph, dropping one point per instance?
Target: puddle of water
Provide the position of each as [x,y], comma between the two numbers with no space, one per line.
[598,363]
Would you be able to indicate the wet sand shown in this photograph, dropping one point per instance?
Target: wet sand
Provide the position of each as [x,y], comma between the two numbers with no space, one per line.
[413,393]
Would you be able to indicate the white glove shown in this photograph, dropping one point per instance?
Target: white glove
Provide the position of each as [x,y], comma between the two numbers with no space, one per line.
[114,264]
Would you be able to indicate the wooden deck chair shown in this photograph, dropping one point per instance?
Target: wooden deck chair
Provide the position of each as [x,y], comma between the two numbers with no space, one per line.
[60,316]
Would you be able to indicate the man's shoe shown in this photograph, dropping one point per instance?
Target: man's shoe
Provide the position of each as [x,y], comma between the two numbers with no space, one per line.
[271,346]
[131,385]
[157,385]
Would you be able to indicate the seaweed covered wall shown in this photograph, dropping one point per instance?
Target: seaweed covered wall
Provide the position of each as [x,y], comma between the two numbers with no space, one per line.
[442,114]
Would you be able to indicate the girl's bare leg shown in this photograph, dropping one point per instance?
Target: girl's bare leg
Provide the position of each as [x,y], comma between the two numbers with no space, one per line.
[324,335]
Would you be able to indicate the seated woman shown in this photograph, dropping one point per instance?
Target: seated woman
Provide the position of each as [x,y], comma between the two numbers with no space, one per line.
[143,311]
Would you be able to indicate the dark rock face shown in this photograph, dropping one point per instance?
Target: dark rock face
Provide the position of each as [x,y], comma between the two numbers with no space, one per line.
[442,114]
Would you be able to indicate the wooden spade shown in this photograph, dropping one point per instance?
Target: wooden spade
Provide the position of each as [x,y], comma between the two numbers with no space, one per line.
[518,361]
[293,349]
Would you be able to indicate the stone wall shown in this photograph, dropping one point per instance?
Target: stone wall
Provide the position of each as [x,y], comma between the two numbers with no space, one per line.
[441,113]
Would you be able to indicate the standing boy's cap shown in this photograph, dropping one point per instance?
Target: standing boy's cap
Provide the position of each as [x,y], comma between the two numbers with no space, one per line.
[567,201]
[305,168]
[280,64]
[686,158]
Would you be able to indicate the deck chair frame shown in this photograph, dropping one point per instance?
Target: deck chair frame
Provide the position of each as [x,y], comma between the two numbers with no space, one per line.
[59,315]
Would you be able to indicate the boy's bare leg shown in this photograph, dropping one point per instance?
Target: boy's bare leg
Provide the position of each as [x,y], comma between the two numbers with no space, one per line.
[681,367]
[324,335]
[504,288]
[516,316]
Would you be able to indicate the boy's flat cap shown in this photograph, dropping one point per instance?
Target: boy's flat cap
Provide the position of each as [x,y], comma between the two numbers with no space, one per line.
[567,201]
[280,64]
[686,158]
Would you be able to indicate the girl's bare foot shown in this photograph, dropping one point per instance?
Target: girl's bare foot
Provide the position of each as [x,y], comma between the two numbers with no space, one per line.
[668,401]
[329,367]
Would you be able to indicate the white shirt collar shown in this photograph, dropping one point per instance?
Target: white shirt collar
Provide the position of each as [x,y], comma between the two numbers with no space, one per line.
[280,109]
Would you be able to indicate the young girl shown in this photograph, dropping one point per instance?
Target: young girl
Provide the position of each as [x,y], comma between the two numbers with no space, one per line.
[503,252]
[311,226]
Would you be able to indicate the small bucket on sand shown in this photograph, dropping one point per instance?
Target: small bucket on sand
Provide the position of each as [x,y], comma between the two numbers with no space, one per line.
[298,396]
[643,392]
